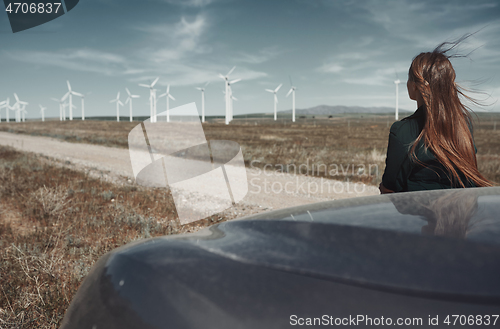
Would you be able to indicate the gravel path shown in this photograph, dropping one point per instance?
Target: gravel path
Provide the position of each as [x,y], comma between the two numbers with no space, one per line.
[266,189]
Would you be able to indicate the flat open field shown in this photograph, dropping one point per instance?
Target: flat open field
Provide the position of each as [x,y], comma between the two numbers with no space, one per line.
[357,141]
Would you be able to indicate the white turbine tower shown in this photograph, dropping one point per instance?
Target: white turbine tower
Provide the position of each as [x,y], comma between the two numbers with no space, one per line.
[292,91]
[24,112]
[42,110]
[60,101]
[83,107]
[167,96]
[228,98]
[397,82]
[152,99]
[118,103]
[231,98]
[14,109]
[129,100]
[202,89]
[63,99]
[275,100]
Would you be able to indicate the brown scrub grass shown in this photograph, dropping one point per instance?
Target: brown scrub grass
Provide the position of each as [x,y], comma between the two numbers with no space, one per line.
[344,147]
[55,223]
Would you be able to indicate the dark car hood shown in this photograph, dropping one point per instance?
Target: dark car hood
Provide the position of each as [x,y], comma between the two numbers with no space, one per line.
[438,245]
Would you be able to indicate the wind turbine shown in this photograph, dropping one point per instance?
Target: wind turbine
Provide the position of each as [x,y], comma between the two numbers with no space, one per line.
[18,108]
[397,82]
[70,94]
[7,108]
[292,91]
[167,96]
[152,99]
[275,100]
[228,99]
[129,100]
[202,89]
[42,110]
[4,104]
[118,103]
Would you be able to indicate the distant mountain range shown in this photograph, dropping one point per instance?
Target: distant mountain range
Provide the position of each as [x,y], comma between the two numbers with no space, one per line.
[339,109]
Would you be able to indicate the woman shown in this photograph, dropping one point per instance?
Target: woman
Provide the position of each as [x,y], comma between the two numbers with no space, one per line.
[434,147]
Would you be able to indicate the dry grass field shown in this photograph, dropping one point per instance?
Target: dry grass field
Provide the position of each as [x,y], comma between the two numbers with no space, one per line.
[56,222]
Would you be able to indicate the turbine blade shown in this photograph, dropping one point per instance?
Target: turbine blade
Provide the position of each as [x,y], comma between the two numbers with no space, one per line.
[278,88]
[230,71]
[154,82]
[234,81]
[135,96]
[65,96]
[171,97]
[168,88]
[289,92]
[118,95]
[271,91]
[76,94]
[128,91]
[222,77]
[17,98]
[206,84]
[69,86]
[199,88]
[143,85]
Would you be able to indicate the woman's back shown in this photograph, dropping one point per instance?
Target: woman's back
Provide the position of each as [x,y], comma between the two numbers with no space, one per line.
[405,174]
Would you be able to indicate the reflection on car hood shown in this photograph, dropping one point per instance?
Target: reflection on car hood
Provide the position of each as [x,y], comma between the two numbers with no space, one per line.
[438,249]
[471,214]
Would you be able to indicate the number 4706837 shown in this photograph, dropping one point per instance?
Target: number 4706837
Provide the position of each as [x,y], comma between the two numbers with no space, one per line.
[33,8]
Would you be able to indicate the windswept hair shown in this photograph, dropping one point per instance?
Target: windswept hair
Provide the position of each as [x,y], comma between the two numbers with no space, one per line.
[448,122]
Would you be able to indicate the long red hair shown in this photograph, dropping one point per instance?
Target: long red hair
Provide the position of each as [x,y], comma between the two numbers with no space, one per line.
[447,128]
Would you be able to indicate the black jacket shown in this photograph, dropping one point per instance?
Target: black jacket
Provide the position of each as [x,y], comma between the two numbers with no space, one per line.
[401,172]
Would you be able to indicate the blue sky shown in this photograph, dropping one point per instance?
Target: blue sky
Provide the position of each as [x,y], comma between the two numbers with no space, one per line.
[337,52]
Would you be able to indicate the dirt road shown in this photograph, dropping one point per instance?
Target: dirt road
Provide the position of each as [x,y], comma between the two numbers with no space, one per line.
[266,189]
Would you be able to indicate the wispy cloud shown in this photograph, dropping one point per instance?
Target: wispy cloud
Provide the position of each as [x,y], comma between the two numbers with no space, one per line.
[261,56]
[190,3]
[330,68]
[85,59]
[179,40]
